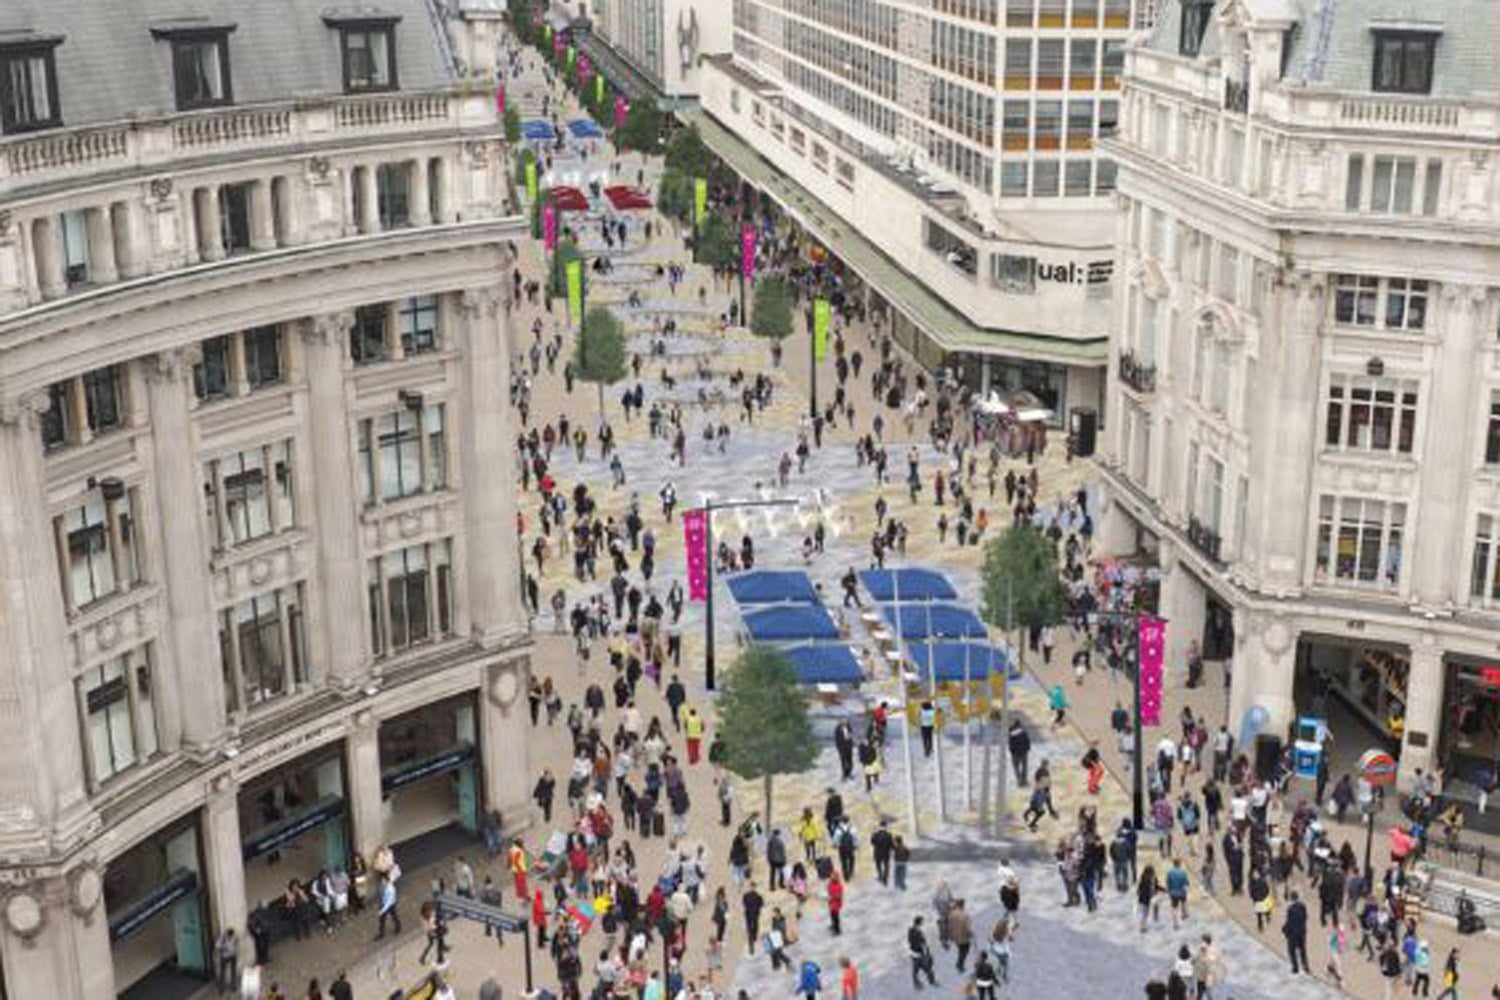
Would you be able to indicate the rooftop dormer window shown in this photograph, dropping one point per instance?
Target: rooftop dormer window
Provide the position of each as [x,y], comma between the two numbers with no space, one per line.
[367,46]
[200,64]
[1403,62]
[28,86]
[1195,18]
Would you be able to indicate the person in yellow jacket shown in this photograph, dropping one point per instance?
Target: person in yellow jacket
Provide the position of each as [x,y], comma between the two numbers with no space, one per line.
[692,726]
[810,832]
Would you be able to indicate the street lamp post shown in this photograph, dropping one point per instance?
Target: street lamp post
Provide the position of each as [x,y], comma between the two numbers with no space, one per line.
[709,508]
[1138,743]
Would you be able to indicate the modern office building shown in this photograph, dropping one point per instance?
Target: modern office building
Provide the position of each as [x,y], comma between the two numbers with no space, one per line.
[653,49]
[1305,392]
[946,152]
[259,597]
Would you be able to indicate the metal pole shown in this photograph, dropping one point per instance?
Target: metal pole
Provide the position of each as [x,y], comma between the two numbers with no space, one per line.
[1002,809]
[1369,839]
[937,736]
[1138,744]
[526,936]
[968,731]
[812,362]
[911,778]
[708,603]
[744,315]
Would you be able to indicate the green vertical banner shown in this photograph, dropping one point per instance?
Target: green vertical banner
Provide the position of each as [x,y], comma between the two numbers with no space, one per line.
[700,200]
[531,179]
[575,291]
[599,88]
[821,315]
[572,58]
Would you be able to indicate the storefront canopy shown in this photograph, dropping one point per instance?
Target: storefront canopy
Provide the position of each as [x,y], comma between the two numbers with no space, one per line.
[793,623]
[956,660]
[537,130]
[825,665]
[585,128]
[934,621]
[626,198]
[569,199]
[773,586]
[910,584]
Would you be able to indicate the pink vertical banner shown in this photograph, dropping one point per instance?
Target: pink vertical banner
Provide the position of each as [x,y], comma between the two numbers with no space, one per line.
[500,100]
[695,539]
[1152,647]
[621,110]
[557,46]
[549,225]
[583,71]
[747,253]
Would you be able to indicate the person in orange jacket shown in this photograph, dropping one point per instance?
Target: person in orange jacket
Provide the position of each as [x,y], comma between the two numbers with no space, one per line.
[517,863]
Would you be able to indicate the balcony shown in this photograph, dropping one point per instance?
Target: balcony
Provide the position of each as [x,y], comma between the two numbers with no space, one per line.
[301,123]
[1237,97]
[1136,373]
[1202,538]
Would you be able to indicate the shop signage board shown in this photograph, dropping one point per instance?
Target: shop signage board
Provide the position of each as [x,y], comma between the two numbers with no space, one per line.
[291,829]
[406,774]
[136,917]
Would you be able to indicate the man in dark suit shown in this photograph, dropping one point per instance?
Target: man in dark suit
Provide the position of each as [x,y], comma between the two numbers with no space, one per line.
[1294,929]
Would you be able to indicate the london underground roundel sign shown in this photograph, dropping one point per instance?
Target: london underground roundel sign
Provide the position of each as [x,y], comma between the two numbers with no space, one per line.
[1377,767]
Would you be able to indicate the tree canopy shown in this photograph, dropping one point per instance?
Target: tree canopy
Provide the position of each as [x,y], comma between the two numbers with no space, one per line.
[599,352]
[688,153]
[642,131]
[674,195]
[718,245]
[512,124]
[773,309]
[763,719]
[567,251]
[1021,571]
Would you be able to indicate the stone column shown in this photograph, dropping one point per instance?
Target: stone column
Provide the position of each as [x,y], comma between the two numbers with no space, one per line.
[335,508]
[363,781]
[223,863]
[192,655]
[48,253]
[1183,598]
[101,230]
[1424,709]
[54,938]
[489,487]
[504,728]
[1263,671]
[369,199]
[420,198]
[210,225]
[262,217]
[447,210]
[130,222]
[1447,454]
[42,780]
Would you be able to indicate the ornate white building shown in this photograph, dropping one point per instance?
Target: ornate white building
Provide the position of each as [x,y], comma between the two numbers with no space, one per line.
[259,598]
[1304,397]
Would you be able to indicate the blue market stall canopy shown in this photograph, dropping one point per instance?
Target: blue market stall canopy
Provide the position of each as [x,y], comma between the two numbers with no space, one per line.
[773,586]
[585,128]
[950,659]
[825,665]
[910,584]
[537,130]
[934,621]
[792,623]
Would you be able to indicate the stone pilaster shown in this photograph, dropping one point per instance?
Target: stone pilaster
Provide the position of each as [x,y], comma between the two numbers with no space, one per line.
[503,736]
[223,861]
[1264,669]
[54,937]
[363,780]
[1424,709]
[193,647]
[343,639]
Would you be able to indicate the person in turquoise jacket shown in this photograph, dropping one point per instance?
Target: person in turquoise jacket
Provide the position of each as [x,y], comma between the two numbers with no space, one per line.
[1059,702]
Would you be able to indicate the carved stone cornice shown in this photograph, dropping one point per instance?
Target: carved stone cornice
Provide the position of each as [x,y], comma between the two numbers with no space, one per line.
[328,328]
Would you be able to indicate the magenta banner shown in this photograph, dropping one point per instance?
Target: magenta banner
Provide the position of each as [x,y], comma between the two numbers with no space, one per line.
[747,253]
[549,225]
[500,100]
[583,71]
[557,46]
[1152,646]
[621,110]
[695,539]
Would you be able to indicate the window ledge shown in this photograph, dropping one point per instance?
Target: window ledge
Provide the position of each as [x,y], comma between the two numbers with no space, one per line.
[105,608]
[382,510]
[224,558]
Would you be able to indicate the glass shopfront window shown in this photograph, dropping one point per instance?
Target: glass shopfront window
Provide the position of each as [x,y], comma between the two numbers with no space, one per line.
[1470,739]
[155,900]
[1368,678]
[429,771]
[293,824]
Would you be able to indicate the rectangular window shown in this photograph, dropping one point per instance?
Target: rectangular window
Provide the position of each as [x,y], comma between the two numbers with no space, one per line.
[1016,126]
[403,453]
[264,647]
[249,493]
[97,544]
[1013,275]
[262,356]
[200,68]
[411,598]
[1196,15]
[1013,178]
[1393,179]
[1053,13]
[1049,124]
[367,341]
[1432,186]
[1371,414]
[73,228]
[1359,541]
[1492,432]
[393,195]
[1104,177]
[1405,304]
[1083,56]
[1049,64]
[118,715]
[369,58]
[1045,177]
[28,88]
[211,373]
[1403,62]
[1019,13]
[419,318]
[1113,63]
[104,399]
[1078,178]
[1485,581]
[1080,124]
[1229,274]
[1018,63]
[1354,182]
[1355,299]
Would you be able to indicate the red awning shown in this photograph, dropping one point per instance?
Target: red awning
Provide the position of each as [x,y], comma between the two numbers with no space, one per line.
[569,199]
[625,198]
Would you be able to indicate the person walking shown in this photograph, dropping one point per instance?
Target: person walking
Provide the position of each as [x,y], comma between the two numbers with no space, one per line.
[835,903]
[901,857]
[810,980]
[960,932]
[1146,890]
[752,903]
[692,725]
[1421,969]
[1338,943]
[1450,977]
[227,955]
[881,845]
[388,906]
[1294,929]
[920,953]
[848,979]
[1019,744]
[984,978]
[1177,892]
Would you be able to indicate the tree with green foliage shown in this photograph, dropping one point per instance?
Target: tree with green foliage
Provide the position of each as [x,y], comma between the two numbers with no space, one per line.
[599,352]
[688,153]
[567,251]
[642,131]
[763,720]
[674,195]
[543,195]
[1022,584]
[718,245]
[773,309]
[512,124]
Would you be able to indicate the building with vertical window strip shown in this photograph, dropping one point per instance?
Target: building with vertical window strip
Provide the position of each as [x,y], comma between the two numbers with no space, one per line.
[1305,417]
[960,138]
[260,598]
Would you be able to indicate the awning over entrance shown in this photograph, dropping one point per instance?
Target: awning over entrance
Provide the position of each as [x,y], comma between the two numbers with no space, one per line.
[948,328]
